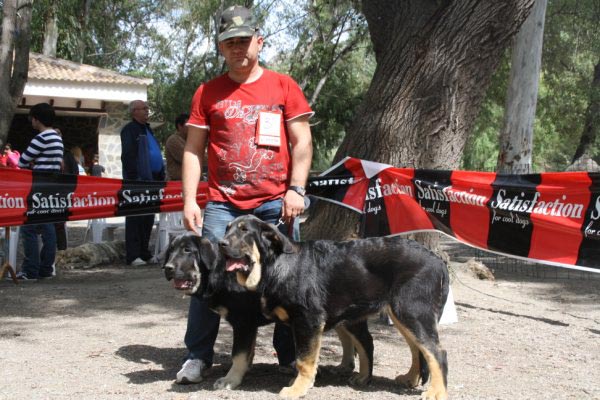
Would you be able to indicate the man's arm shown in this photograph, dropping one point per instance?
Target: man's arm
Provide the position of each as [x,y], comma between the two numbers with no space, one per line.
[301,154]
[33,150]
[191,170]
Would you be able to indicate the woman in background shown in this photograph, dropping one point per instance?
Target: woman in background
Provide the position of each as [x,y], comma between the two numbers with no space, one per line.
[78,154]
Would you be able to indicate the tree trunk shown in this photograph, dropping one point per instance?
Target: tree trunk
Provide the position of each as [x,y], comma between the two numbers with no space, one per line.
[83,19]
[434,63]
[592,118]
[14,59]
[516,137]
[51,31]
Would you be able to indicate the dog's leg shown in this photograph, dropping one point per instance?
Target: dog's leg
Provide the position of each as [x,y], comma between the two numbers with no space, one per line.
[427,344]
[244,341]
[347,363]
[308,346]
[363,342]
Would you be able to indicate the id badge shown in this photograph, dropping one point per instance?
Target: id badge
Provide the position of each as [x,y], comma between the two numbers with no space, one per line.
[268,129]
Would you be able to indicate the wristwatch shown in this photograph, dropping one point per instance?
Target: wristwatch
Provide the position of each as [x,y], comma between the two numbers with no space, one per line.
[298,189]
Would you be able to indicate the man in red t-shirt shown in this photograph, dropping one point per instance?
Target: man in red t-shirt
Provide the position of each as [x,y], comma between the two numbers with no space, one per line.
[255,123]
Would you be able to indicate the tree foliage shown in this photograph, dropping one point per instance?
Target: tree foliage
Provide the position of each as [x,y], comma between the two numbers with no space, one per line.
[333,63]
[114,34]
[571,50]
[326,46]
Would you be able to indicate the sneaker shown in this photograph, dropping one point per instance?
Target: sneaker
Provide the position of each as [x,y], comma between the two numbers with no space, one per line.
[191,372]
[138,262]
[22,276]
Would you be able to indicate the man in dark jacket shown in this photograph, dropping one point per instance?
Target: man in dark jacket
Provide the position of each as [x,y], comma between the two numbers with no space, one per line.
[142,161]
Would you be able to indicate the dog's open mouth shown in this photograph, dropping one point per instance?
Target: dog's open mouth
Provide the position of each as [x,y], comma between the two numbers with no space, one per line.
[237,264]
[183,284]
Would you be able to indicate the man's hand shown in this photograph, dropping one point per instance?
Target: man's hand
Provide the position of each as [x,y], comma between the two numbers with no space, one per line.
[192,218]
[293,206]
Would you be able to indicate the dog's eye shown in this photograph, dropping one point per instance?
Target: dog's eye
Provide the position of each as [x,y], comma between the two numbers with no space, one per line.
[187,250]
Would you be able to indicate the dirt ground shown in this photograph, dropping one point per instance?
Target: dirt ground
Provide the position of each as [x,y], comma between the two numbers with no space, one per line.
[116,332]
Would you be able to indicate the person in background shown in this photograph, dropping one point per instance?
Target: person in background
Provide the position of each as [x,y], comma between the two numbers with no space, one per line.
[69,166]
[142,161]
[44,153]
[97,169]
[78,154]
[9,157]
[174,148]
[254,168]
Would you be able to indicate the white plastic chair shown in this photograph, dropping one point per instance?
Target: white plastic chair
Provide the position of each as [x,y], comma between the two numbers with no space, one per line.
[168,224]
[96,228]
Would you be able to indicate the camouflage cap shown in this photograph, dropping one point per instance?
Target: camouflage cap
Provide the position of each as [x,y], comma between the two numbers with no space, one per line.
[237,21]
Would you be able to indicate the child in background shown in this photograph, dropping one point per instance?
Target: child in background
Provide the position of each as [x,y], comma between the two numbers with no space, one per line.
[9,157]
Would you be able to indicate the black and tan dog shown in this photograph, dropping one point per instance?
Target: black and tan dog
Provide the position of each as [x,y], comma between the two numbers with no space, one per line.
[317,285]
[196,267]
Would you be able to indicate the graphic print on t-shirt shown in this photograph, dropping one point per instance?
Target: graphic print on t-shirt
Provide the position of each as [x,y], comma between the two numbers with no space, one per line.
[242,161]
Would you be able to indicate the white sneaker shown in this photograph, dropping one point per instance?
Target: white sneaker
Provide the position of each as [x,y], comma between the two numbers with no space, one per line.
[191,372]
[138,262]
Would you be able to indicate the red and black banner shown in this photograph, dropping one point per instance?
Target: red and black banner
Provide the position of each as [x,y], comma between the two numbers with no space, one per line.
[547,217]
[33,197]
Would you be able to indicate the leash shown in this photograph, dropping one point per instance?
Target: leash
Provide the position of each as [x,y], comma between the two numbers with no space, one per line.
[290,232]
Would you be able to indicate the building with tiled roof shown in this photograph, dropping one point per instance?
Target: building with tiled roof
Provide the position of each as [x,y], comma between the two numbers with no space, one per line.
[51,69]
[90,102]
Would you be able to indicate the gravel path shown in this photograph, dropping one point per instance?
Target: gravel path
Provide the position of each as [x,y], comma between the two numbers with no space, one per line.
[116,332]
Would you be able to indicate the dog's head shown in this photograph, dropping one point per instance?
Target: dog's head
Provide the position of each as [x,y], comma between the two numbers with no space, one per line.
[247,244]
[188,262]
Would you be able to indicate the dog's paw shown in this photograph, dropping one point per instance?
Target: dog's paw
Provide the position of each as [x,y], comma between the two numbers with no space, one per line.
[344,368]
[226,383]
[291,392]
[359,380]
[408,380]
[435,394]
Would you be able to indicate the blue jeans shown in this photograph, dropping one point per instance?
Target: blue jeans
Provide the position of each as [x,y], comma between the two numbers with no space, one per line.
[203,324]
[38,263]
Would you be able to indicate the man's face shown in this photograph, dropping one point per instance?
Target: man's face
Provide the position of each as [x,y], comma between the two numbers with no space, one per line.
[241,53]
[35,124]
[140,112]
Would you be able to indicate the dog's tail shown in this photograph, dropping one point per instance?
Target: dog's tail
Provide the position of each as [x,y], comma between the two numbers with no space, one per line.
[445,289]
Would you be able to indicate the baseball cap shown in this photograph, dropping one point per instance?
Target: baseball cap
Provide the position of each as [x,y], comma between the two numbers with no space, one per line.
[237,21]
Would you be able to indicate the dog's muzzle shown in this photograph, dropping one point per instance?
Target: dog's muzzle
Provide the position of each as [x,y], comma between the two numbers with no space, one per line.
[234,262]
[181,281]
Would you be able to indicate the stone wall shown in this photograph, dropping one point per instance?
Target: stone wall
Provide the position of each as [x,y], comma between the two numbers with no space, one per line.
[109,139]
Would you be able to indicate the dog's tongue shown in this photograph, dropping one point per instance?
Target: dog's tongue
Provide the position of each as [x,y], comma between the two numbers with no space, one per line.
[234,265]
[182,284]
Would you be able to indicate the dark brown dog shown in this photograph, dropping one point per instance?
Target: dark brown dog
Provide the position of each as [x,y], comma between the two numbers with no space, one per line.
[317,285]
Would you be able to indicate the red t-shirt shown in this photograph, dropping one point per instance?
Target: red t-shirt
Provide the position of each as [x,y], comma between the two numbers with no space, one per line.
[240,171]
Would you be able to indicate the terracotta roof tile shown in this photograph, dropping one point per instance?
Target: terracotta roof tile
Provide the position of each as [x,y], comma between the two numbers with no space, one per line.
[50,68]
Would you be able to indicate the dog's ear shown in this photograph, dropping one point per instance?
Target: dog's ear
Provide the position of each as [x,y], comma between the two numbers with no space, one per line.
[208,252]
[277,240]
